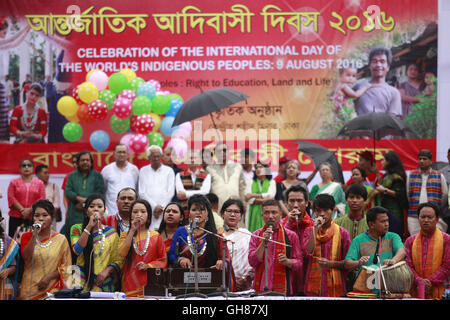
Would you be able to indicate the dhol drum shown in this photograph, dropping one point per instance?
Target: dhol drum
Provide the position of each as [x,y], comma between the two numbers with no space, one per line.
[398,278]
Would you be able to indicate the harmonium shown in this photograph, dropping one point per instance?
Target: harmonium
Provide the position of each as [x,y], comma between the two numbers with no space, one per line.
[180,281]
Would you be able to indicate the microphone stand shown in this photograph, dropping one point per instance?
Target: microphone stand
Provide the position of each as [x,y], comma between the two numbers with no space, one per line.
[266,291]
[196,293]
[223,288]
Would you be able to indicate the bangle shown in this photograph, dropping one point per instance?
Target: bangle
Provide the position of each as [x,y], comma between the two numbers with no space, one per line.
[86,230]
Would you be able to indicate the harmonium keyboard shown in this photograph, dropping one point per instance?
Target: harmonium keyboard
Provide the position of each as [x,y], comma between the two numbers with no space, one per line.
[180,281]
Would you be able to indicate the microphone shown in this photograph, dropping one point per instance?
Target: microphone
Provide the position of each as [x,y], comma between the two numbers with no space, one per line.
[317,223]
[96,217]
[37,226]
[375,256]
[194,224]
[270,225]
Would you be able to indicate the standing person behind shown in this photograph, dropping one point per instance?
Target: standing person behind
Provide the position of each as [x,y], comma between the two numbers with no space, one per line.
[173,218]
[355,220]
[227,179]
[263,188]
[22,193]
[118,175]
[46,254]
[410,89]
[52,191]
[326,248]
[248,158]
[297,220]
[446,170]
[291,178]
[169,155]
[194,180]
[377,240]
[29,122]
[156,184]
[96,246]
[8,265]
[80,184]
[328,186]
[428,254]
[121,220]
[391,193]
[141,248]
[368,165]
[232,212]
[282,169]
[425,185]
[381,97]
[214,201]
[358,177]
[282,261]
[63,186]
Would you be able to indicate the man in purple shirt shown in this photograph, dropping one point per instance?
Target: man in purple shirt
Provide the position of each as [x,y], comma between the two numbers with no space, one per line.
[428,254]
[282,261]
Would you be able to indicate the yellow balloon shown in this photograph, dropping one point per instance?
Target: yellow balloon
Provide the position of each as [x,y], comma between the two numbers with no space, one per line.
[88,92]
[157,120]
[130,74]
[67,106]
[90,72]
[73,118]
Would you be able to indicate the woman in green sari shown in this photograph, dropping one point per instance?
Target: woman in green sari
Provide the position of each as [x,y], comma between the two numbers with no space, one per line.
[262,188]
[330,187]
[391,193]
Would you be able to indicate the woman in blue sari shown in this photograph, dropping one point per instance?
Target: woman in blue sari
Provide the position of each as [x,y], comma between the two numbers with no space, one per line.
[9,250]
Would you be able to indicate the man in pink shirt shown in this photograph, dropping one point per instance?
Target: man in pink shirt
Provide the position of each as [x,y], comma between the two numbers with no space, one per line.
[282,262]
[428,254]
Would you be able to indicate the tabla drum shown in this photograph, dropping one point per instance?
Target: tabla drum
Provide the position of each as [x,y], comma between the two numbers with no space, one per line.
[398,278]
[360,284]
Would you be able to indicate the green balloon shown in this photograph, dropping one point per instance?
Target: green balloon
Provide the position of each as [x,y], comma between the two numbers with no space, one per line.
[160,104]
[72,131]
[155,138]
[175,96]
[117,83]
[108,97]
[118,125]
[135,83]
[141,105]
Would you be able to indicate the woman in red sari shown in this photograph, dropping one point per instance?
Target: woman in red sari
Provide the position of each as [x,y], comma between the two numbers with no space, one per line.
[173,217]
[142,248]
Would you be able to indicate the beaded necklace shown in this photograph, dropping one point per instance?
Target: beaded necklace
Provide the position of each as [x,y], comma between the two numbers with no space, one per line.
[1,247]
[189,240]
[102,241]
[147,241]
[29,121]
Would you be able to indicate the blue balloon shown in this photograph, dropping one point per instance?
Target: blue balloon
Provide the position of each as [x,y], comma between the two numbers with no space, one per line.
[146,89]
[175,106]
[99,140]
[166,126]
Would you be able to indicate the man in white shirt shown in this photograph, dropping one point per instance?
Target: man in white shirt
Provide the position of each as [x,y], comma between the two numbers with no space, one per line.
[247,159]
[195,180]
[156,184]
[227,179]
[118,175]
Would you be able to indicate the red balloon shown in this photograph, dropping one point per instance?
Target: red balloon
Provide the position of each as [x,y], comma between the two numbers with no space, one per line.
[138,143]
[75,95]
[143,124]
[98,110]
[83,114]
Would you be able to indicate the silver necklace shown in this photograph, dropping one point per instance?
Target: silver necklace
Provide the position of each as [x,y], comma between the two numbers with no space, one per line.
[202,250]
[147,241]
[101,234]
[44,245]
[1,247]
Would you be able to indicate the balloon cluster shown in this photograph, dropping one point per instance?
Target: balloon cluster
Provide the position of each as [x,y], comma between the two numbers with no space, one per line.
[138,109]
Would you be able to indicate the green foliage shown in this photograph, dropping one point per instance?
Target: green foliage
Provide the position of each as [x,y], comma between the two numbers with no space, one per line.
[335,119]
[422,118]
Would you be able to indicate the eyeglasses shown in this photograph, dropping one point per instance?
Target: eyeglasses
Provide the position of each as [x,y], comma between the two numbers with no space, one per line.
[236,212]
[23,165]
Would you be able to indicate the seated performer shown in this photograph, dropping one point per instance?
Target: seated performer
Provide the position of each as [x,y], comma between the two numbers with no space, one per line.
[283,261]
[428,254]
[326,248]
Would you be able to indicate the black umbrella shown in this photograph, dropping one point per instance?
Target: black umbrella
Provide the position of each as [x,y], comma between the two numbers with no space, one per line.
[206,103]
[320,155]
[375,125]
